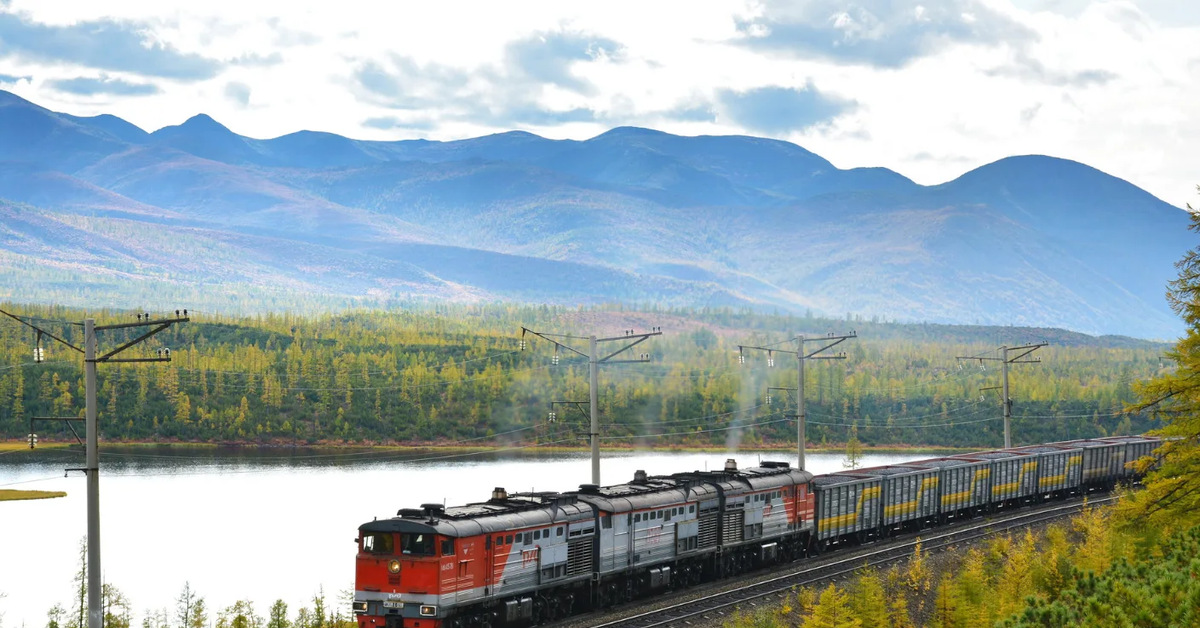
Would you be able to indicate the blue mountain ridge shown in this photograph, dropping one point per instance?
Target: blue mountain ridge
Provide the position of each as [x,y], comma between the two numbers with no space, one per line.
[632,214]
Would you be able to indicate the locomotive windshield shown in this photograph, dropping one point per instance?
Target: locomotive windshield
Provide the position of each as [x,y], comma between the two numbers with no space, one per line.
[379,543]
[417,544]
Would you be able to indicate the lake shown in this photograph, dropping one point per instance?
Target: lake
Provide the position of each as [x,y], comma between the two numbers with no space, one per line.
[262,525]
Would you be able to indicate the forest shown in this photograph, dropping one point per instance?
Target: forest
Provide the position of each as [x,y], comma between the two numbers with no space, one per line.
[467,375]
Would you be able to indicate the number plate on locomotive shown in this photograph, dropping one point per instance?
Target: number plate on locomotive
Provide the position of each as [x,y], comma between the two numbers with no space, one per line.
[393,604]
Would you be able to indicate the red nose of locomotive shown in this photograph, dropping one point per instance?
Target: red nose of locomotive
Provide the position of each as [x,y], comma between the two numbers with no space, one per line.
[396,579]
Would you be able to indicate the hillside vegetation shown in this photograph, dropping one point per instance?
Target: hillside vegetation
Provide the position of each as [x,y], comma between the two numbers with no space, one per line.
[456,374]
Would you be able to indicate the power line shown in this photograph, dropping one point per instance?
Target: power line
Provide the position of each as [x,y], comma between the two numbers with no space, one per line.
[909,427]
[707,431]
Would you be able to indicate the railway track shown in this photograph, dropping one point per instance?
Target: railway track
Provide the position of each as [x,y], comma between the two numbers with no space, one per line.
[703,607]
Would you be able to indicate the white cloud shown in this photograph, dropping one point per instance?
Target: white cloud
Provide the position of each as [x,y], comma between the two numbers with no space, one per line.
[1113,84]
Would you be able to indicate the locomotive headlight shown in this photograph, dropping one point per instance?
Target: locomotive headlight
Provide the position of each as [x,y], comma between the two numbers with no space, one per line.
[428,611]
[360,607]
[394,566]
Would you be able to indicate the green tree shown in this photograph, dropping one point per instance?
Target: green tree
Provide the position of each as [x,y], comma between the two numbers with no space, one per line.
[278,617]
[118,613]
[56,616]
[854,449]
[80,580]
[185,605]
[868,600]
[832,611]
[1150,591]
[199,617]
[319,618]
[1171,499]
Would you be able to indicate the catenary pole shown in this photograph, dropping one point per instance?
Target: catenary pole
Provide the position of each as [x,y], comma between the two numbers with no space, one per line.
[91,357]
[1007,402]
[801,428]
[629,339]
[593,387]
[1008,355]
[826,342]
[95,612]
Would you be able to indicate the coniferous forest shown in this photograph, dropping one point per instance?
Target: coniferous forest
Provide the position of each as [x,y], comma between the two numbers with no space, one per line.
[427,375]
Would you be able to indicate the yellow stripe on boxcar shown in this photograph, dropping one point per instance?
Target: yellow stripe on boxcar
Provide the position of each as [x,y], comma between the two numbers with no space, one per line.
[1061,478]
[850,518]
[911,506]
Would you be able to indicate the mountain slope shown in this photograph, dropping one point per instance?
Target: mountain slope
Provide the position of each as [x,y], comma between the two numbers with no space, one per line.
[198,213]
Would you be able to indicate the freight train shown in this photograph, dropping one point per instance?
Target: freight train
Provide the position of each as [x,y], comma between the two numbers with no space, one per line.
[521,559]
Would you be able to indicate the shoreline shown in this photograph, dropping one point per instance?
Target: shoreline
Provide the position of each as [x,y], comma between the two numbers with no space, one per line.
[16,445]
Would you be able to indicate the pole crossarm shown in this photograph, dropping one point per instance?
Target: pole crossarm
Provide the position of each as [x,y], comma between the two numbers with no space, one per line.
[578,405]
[1016,359]
[162,324]
[640,338]
[551,339]
[161,321]
[43,331]
[767,349]
[67,419]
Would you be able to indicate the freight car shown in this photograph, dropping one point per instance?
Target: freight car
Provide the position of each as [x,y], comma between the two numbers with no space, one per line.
[527,558]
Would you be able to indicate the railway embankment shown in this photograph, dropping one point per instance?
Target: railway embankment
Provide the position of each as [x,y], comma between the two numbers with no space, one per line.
[964,569]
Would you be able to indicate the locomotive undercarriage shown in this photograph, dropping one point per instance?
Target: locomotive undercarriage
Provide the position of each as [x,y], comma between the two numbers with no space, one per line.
[549,605]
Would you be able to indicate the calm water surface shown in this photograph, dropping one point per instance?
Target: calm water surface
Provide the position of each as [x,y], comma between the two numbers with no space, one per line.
[258,525]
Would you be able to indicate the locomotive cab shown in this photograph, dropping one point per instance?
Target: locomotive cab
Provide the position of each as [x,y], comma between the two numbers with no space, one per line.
[397,574]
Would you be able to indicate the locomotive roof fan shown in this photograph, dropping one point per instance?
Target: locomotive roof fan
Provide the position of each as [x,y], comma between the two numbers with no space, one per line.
[433,511]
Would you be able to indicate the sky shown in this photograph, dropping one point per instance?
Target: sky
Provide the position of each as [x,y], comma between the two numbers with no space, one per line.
[929,89]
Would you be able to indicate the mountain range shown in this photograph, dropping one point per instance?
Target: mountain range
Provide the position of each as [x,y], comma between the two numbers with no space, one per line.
[96,211]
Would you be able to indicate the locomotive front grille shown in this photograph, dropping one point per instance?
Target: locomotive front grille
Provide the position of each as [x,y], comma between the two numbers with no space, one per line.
[708,531]
[579,557]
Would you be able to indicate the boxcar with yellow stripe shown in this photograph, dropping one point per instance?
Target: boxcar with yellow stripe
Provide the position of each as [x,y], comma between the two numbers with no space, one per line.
[1101,463]
[1059,469]
[848,507]
[909,496]
[1014,475]
[964,486]
[1131,449]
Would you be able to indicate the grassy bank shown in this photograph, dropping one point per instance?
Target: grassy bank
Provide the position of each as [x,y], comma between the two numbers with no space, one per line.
[8,494]
[13,445]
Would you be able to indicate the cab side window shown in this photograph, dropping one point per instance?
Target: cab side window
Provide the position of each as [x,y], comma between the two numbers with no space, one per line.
[447,547]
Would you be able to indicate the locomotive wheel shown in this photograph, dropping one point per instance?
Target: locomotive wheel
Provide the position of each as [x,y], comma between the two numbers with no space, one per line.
[539,610]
